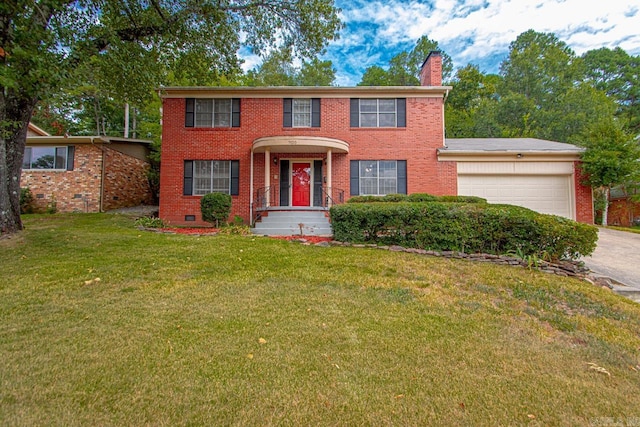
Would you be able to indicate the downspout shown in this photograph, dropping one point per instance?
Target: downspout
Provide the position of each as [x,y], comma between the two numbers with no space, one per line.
[444,136]
[104,166]
[102,175]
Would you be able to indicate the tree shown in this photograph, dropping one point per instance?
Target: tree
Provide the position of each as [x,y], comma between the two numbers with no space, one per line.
[404,68]
[540,67]
[618,74]
[612,158]
[316,73]
[469,103]
[542,94]
[278,69]
[375,76]
[43,42]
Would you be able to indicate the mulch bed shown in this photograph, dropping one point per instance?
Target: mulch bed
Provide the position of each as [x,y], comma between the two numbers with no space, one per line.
[197,230]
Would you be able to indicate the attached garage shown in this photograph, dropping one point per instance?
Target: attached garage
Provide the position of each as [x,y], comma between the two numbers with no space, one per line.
[537,174]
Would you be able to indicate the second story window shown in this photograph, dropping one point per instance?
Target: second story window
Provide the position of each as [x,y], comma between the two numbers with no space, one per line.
[301,112]
[378,112]
[212,113]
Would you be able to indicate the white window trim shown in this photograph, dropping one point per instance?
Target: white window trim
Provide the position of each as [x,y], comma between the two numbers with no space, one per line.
[195,191]
[308,124]
[377,177]
[213,112]
[377,113]
[66,158]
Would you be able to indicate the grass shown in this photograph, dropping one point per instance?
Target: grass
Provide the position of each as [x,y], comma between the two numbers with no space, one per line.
[633,229]
[236,330]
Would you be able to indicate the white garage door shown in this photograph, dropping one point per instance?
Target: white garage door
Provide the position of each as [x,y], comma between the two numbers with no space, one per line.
[550,194]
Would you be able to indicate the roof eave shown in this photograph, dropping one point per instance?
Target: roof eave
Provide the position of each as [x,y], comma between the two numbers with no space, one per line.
[303,91]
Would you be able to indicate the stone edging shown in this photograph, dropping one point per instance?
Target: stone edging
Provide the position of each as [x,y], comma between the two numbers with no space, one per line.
[575,269]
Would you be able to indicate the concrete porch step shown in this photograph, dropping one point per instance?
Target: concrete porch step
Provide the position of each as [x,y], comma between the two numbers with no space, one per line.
[292,223]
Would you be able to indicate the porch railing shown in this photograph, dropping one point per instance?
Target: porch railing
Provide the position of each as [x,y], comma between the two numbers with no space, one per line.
[332,196]
[267,197]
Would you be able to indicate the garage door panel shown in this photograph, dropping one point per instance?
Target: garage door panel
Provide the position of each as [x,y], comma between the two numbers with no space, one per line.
[547,193]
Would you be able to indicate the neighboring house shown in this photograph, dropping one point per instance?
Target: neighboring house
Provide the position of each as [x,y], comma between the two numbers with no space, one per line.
[305,148]
[623,211]
[85,173]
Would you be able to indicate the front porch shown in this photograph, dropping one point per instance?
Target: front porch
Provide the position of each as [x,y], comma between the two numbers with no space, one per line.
[297,182]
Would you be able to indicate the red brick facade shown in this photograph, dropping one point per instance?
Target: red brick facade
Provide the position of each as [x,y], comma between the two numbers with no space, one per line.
[263,136]
[263,117]
[584,197]
[102,178]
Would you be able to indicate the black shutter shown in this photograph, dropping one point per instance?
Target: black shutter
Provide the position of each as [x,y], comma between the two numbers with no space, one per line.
[235,177]
[188,178]
[317,183]
[235,112]
[402,176]
[355,112]
[355,177]
[189,114]
[70,155]
[287,107]
[401,105]
[284,182]
[315,112]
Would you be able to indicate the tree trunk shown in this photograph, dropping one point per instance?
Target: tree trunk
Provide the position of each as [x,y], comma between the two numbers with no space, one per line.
[15,114]
[605,210]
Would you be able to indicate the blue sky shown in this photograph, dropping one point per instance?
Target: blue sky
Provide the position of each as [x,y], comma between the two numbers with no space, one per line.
[473,31]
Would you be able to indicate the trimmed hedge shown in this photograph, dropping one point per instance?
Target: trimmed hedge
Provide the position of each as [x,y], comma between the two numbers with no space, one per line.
[416,197]
[215,207]
[471,228]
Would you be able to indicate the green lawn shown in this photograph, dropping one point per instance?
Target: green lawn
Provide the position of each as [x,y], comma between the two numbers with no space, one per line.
[236,330]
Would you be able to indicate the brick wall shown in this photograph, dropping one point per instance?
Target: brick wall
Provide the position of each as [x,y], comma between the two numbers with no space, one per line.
[262,117]
[125,181]
[78,190]
[584,197]
[74,191]
[622,212]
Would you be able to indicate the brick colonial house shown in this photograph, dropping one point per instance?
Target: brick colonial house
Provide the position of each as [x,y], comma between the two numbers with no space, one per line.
[85,173]
[304,148]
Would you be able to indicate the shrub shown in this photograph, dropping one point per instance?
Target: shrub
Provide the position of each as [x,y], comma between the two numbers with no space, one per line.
[149,222]
[421,197]
[416,198]
[52,206]
[215,207]
[26,201]
[464,227]
[461,199]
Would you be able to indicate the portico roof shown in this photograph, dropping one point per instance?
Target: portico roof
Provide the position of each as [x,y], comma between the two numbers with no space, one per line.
[299,144]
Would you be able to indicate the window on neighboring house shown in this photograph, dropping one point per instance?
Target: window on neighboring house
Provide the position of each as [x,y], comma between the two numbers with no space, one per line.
[56,158]
[304,112]
[378,177]
[378,112]
[208,113]
[211,176]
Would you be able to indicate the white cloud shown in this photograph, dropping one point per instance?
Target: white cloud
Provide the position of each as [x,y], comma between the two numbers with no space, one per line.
[474,30]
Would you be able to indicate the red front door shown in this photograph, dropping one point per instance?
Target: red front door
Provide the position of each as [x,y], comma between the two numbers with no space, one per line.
[301,183]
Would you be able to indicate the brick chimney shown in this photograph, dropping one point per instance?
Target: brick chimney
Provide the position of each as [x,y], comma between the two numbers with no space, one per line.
[431,71]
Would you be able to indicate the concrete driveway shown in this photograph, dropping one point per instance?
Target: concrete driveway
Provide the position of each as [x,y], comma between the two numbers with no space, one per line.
[617,256]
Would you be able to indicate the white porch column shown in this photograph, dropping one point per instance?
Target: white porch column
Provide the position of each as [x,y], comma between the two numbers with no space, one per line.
[329,184]
[267,176]
[251,189]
